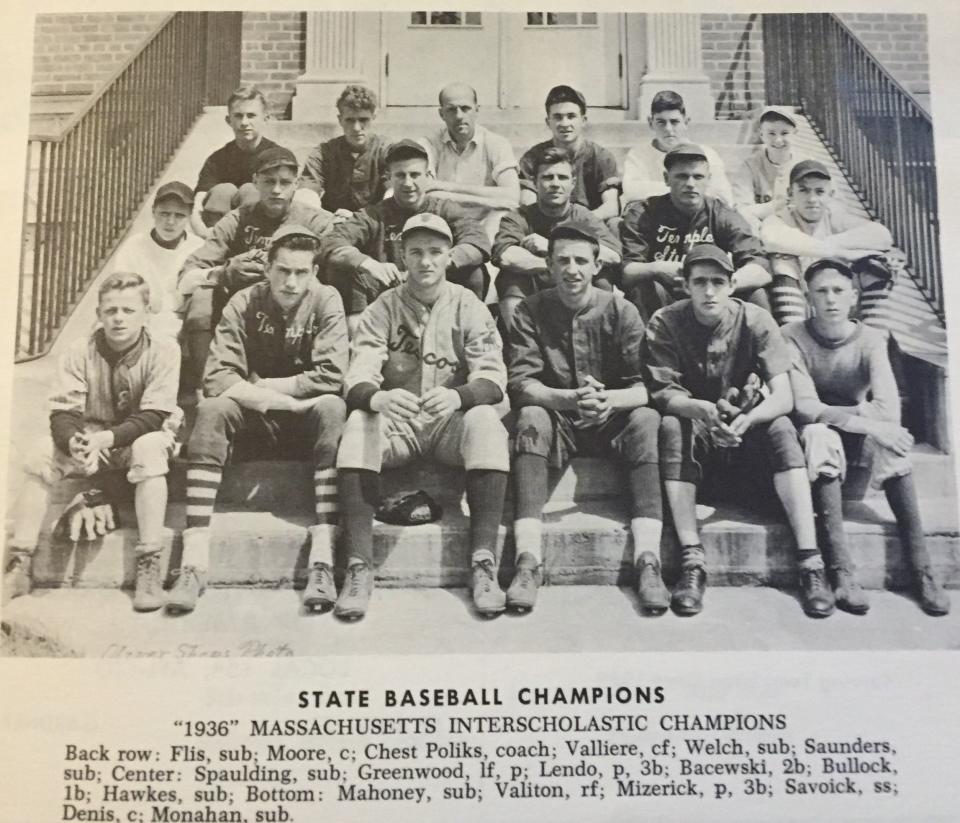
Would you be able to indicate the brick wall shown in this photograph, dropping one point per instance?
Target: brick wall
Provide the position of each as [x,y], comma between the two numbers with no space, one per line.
[899,41]
[273,54]
[733,60]
[74,53]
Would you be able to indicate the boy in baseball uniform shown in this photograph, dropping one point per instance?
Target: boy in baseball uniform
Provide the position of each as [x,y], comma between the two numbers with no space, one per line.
[849,408]
[363,257]
[233,256]
[575,376]
[275,372]
[226,177]
[520,247]
[597,179]
[811,226]
[113,408]
[159,254]
[349,172]
[699,354]
[426,378]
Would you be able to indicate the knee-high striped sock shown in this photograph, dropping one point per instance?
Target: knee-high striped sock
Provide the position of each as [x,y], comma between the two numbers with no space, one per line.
[325,495]
[873,308]
[203,482]
[789,304]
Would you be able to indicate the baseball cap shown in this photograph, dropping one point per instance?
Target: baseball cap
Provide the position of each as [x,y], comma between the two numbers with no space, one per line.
[707,253]
[565,94]
[834,263]
[293,230]
[406,149]
[175,190]
[427,222]
[575,229]
[805,168]
[774,112]
[275,158]
[683,151]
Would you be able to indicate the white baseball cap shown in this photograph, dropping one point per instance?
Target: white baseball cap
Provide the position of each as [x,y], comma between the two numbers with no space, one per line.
[427,222]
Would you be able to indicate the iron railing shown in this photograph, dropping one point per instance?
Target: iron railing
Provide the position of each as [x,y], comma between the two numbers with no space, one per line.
[87,182]
[877,132]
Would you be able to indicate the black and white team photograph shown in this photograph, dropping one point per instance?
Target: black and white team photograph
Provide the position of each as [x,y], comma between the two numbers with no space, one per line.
[354,332]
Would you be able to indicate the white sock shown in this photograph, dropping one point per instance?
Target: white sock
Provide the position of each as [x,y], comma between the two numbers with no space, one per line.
[646,533]
[196,548]
[322,538]
[527,533]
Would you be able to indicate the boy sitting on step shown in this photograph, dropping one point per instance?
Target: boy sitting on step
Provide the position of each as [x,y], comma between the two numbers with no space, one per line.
[275,371]
[575,375]
[113,408]
[425,378]
[696,351]
[849,407]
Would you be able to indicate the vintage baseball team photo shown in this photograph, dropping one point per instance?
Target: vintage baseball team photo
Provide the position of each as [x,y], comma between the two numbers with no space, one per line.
[473,324]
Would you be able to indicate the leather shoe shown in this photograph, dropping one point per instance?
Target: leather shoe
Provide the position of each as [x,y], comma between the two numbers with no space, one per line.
[687,597]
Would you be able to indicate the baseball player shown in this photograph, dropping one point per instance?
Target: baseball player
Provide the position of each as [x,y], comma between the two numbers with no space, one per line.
[643,166]
[425,380]
[362,256]
[657,232]
[575,376]
[159,254]
[520,247]
[597,179]
[760,183]
[813,225]
[113,407]
[226,175]
[274,375]
[234,254]
[849,408]
[349,172]
[706,359]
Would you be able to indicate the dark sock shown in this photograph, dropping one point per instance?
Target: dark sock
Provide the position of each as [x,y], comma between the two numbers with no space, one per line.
[485,493]
[902,497]
[358,491]
[806,554]
[645,491]
[530,481]
[828,504]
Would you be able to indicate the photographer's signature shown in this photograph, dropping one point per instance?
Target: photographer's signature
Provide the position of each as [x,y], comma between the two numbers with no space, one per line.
[184,651]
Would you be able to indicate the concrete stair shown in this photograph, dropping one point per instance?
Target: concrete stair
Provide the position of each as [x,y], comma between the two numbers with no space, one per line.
[260,537]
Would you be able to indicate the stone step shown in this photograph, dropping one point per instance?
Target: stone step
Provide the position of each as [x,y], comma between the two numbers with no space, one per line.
[584,542]
[287,486]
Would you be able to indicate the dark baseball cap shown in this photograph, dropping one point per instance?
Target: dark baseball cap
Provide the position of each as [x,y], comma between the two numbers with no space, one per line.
[707,253]
[174,190]
[565,94]
[685,151]
[834,263]
[806,168]
[575,230]
[406,149]
[293,230]
[276,158]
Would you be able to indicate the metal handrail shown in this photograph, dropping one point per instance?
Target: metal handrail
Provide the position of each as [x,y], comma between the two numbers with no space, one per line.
[85,184]
[878,134]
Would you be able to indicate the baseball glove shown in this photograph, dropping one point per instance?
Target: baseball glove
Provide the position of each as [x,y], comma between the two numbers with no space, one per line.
[89,515]
[409,509]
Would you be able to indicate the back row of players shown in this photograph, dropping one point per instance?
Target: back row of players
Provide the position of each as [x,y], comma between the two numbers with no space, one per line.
[709,385]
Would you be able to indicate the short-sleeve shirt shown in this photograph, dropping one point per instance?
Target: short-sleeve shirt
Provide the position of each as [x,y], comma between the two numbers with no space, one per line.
[347,179]
[643,174]
[230,164]
[486,157]
[594,167]
[686,358]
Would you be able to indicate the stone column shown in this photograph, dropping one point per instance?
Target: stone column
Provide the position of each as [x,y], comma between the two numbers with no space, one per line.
[333,59]
[674,61]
